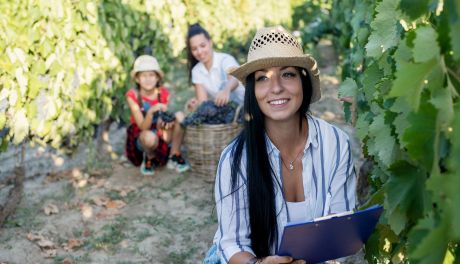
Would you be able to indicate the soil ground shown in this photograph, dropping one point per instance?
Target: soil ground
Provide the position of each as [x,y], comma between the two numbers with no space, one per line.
[110,213]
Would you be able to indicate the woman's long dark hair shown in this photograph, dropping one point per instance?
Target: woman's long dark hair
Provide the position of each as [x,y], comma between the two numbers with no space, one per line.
[194,30]
[261,178]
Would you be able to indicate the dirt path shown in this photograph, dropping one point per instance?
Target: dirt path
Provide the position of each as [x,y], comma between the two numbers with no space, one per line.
[112,214]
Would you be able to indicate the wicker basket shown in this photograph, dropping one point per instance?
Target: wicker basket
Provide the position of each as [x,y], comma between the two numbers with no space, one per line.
[205,143]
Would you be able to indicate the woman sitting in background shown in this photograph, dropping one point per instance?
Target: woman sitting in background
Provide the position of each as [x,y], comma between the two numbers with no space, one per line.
[208,71]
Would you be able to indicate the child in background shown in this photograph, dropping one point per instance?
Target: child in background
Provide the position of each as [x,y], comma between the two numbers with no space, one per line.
[147,139]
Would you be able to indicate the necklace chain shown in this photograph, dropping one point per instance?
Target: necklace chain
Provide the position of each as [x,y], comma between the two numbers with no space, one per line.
[291,163]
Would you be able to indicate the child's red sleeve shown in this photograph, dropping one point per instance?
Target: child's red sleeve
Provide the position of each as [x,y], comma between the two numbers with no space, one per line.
[131,94]
[164,95]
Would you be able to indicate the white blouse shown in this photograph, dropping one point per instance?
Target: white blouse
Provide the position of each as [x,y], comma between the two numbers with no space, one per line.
[216,78]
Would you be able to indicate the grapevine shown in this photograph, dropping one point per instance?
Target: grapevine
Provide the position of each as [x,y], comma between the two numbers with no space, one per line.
[64,64]
[401,66]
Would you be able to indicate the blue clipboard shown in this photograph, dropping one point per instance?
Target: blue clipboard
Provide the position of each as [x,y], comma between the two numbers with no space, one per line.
[331,238]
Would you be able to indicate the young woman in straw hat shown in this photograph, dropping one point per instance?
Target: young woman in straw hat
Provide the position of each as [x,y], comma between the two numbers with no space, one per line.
[147,139]
[286,165]
[208,70]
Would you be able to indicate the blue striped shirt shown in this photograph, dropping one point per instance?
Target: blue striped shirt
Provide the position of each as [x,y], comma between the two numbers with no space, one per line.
[329,184]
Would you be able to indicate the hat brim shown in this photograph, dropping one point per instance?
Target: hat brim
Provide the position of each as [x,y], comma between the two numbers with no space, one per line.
[306,62]
[160,73]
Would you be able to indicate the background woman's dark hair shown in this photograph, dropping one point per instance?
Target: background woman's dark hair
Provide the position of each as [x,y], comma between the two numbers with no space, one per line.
[194,30]
[259,173]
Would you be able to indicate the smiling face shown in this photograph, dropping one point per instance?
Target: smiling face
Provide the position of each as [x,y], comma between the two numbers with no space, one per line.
[201,48]
[278,92]
[147,80]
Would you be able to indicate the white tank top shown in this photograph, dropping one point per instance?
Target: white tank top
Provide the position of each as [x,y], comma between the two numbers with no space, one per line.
[297,211]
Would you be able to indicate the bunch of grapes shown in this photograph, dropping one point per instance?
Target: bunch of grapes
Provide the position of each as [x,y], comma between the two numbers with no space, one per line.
[211,114]
[166,116]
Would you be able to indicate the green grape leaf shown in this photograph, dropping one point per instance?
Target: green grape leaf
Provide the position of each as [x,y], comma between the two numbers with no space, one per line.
[362,127]
[455,37]
[410,81]
[425,45]
[400,105]
[384,142]
[386,64]
[402,53]
[35,86]
[348,88]
[384,33]
[419,136]
[20,126]
[453,181]
[403,190]
[414,8]
[403,186]
[442,100]
[432,248]
[362,35]
[402,108]
[397,220]
[38,67]
[384,86]
[418,232]
[372,75]
[22,80]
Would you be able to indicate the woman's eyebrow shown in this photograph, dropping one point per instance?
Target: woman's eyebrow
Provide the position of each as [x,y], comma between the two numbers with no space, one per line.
[285,67]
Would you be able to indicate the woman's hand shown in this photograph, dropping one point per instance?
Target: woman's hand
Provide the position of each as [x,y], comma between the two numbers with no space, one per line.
[192,104]
[222,97]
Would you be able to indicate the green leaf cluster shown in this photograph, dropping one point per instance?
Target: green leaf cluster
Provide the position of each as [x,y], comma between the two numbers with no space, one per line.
[401,63]
[64,65]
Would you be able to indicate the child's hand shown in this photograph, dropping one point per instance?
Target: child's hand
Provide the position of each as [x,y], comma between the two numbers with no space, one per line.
[158,107]
[163,125]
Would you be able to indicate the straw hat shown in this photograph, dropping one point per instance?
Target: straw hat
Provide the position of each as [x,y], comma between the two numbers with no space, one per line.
[275,47]
[146,63]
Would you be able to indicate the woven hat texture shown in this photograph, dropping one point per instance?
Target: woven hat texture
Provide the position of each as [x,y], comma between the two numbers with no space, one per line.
[275,47]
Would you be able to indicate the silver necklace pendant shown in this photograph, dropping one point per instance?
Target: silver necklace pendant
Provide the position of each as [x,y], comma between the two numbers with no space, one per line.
[291,167]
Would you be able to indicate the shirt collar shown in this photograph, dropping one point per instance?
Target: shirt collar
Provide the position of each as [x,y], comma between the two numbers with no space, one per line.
[312,132]
[215,64]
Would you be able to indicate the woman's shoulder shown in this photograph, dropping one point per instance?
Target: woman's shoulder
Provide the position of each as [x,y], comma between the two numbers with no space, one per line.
[198,67]
[227,152]
[225,57]
[226,61]
[327,128]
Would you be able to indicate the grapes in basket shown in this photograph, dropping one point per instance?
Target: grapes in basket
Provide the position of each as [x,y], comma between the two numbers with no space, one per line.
[209,113]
